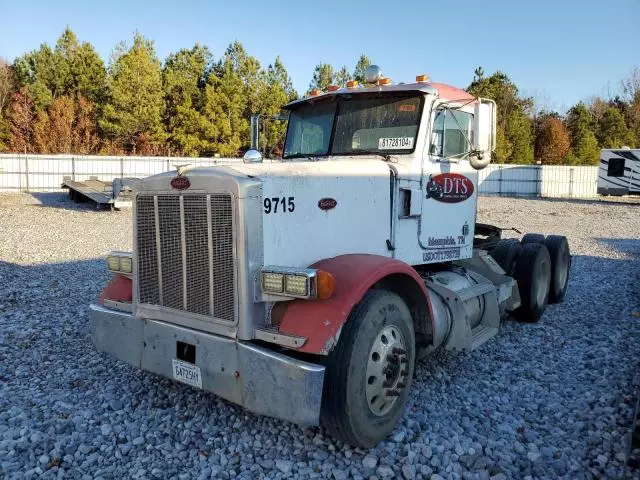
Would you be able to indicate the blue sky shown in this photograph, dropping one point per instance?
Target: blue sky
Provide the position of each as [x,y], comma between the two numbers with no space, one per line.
[559,51]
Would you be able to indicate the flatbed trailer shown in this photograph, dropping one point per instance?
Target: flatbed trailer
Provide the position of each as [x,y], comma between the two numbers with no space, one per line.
[116,194]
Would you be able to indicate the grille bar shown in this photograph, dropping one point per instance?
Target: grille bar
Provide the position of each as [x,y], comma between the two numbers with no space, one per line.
[183,244]
[159,250]
[185,253]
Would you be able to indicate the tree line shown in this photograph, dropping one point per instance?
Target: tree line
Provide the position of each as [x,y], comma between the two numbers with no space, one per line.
[64,99]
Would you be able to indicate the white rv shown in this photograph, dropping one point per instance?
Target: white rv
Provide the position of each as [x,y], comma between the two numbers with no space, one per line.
[619,172]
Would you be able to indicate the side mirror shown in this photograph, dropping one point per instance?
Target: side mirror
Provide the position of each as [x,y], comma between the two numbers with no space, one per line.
[484,132]
[252,156]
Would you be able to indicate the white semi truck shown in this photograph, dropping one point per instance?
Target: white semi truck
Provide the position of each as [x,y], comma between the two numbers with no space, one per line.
[307,288]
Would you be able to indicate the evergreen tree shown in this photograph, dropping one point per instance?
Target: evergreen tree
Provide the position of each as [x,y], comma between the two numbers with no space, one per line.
[279,92]
[361,67]
[184,77]
[323,76]
[225,108]
[133,115]
[612,130]
[514,136]
[584,145]
[342,77]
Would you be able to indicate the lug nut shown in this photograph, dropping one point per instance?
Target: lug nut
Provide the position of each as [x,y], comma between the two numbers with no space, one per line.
[398,350]
[392,393]
[392,358]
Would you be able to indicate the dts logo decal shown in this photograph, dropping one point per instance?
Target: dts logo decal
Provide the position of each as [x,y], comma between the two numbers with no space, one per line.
[449,188]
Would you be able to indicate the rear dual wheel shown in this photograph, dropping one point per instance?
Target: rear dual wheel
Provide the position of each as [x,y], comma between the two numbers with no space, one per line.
[369,372]
[532,272]
[542,272]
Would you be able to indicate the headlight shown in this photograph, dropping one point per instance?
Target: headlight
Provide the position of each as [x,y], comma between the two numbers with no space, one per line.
[125,264]
[297,285]
[289,281]
[272,282]
[307,283]
[113,263]
[120,262]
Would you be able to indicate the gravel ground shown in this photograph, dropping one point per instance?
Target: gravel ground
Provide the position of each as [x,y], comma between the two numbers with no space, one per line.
[549,400]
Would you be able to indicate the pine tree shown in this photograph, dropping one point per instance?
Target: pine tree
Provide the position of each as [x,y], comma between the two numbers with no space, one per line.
[225,107]
[133,115]
[342,77]
[584,145]
[184,77]
[514,136]
[361,68]
[323,76]
[612,130]
[279,92]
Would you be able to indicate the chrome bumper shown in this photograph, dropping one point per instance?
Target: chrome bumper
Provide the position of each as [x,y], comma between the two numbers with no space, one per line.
[258,379]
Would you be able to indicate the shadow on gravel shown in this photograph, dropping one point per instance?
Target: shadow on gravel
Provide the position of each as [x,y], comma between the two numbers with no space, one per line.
[623,245]
[62,200]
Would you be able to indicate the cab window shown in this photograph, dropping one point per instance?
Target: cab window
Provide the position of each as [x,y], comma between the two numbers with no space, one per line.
[452,134]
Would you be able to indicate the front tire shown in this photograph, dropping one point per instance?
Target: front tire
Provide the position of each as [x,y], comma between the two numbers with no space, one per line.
[369,372]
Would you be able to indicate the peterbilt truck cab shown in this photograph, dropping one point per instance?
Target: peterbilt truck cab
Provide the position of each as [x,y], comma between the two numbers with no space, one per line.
[307,288]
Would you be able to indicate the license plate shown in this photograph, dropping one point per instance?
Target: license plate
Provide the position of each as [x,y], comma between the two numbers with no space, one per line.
[187,373]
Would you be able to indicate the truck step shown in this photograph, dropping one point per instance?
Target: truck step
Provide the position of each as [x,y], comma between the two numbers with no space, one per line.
[475,291]
[481,334]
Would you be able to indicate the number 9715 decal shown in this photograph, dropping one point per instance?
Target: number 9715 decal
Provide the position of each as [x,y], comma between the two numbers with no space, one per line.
[279,204]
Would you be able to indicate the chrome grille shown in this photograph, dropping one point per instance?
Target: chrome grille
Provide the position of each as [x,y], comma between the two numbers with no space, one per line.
[185,253]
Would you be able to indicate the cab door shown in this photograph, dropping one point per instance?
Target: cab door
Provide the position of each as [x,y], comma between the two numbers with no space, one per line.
[449,188]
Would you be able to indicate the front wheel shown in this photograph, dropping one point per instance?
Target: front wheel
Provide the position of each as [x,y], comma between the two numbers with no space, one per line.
[370,370]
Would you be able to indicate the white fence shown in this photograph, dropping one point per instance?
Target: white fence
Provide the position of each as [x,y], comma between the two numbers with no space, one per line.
[38,173]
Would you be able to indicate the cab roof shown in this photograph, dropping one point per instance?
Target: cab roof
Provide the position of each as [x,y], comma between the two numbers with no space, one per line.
[444,91]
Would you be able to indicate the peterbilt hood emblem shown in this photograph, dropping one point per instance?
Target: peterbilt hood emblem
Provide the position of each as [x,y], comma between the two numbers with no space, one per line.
[180,183]
[327,203]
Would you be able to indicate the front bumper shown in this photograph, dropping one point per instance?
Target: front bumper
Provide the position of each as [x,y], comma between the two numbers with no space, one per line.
[256,378]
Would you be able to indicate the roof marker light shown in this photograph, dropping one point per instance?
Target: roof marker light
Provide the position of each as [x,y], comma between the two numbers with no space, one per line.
[352,84]
[384,81]
[333,88]
[315,92]
[422,78]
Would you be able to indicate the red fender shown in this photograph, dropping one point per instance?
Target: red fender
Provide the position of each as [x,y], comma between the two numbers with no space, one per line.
[320,321]
[119,289]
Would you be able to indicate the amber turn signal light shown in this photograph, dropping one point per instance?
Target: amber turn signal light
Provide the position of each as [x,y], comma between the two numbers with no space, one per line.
[326,284]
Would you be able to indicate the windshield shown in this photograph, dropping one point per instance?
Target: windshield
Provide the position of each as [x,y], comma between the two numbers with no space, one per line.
[354,125]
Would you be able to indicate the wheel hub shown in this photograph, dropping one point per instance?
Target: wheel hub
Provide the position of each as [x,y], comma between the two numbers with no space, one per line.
[387,370]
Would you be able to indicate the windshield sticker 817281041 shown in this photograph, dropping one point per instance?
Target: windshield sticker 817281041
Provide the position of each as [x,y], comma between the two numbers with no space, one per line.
[395,143]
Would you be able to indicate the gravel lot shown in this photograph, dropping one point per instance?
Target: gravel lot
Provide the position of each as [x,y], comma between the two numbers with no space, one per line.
[549,400]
